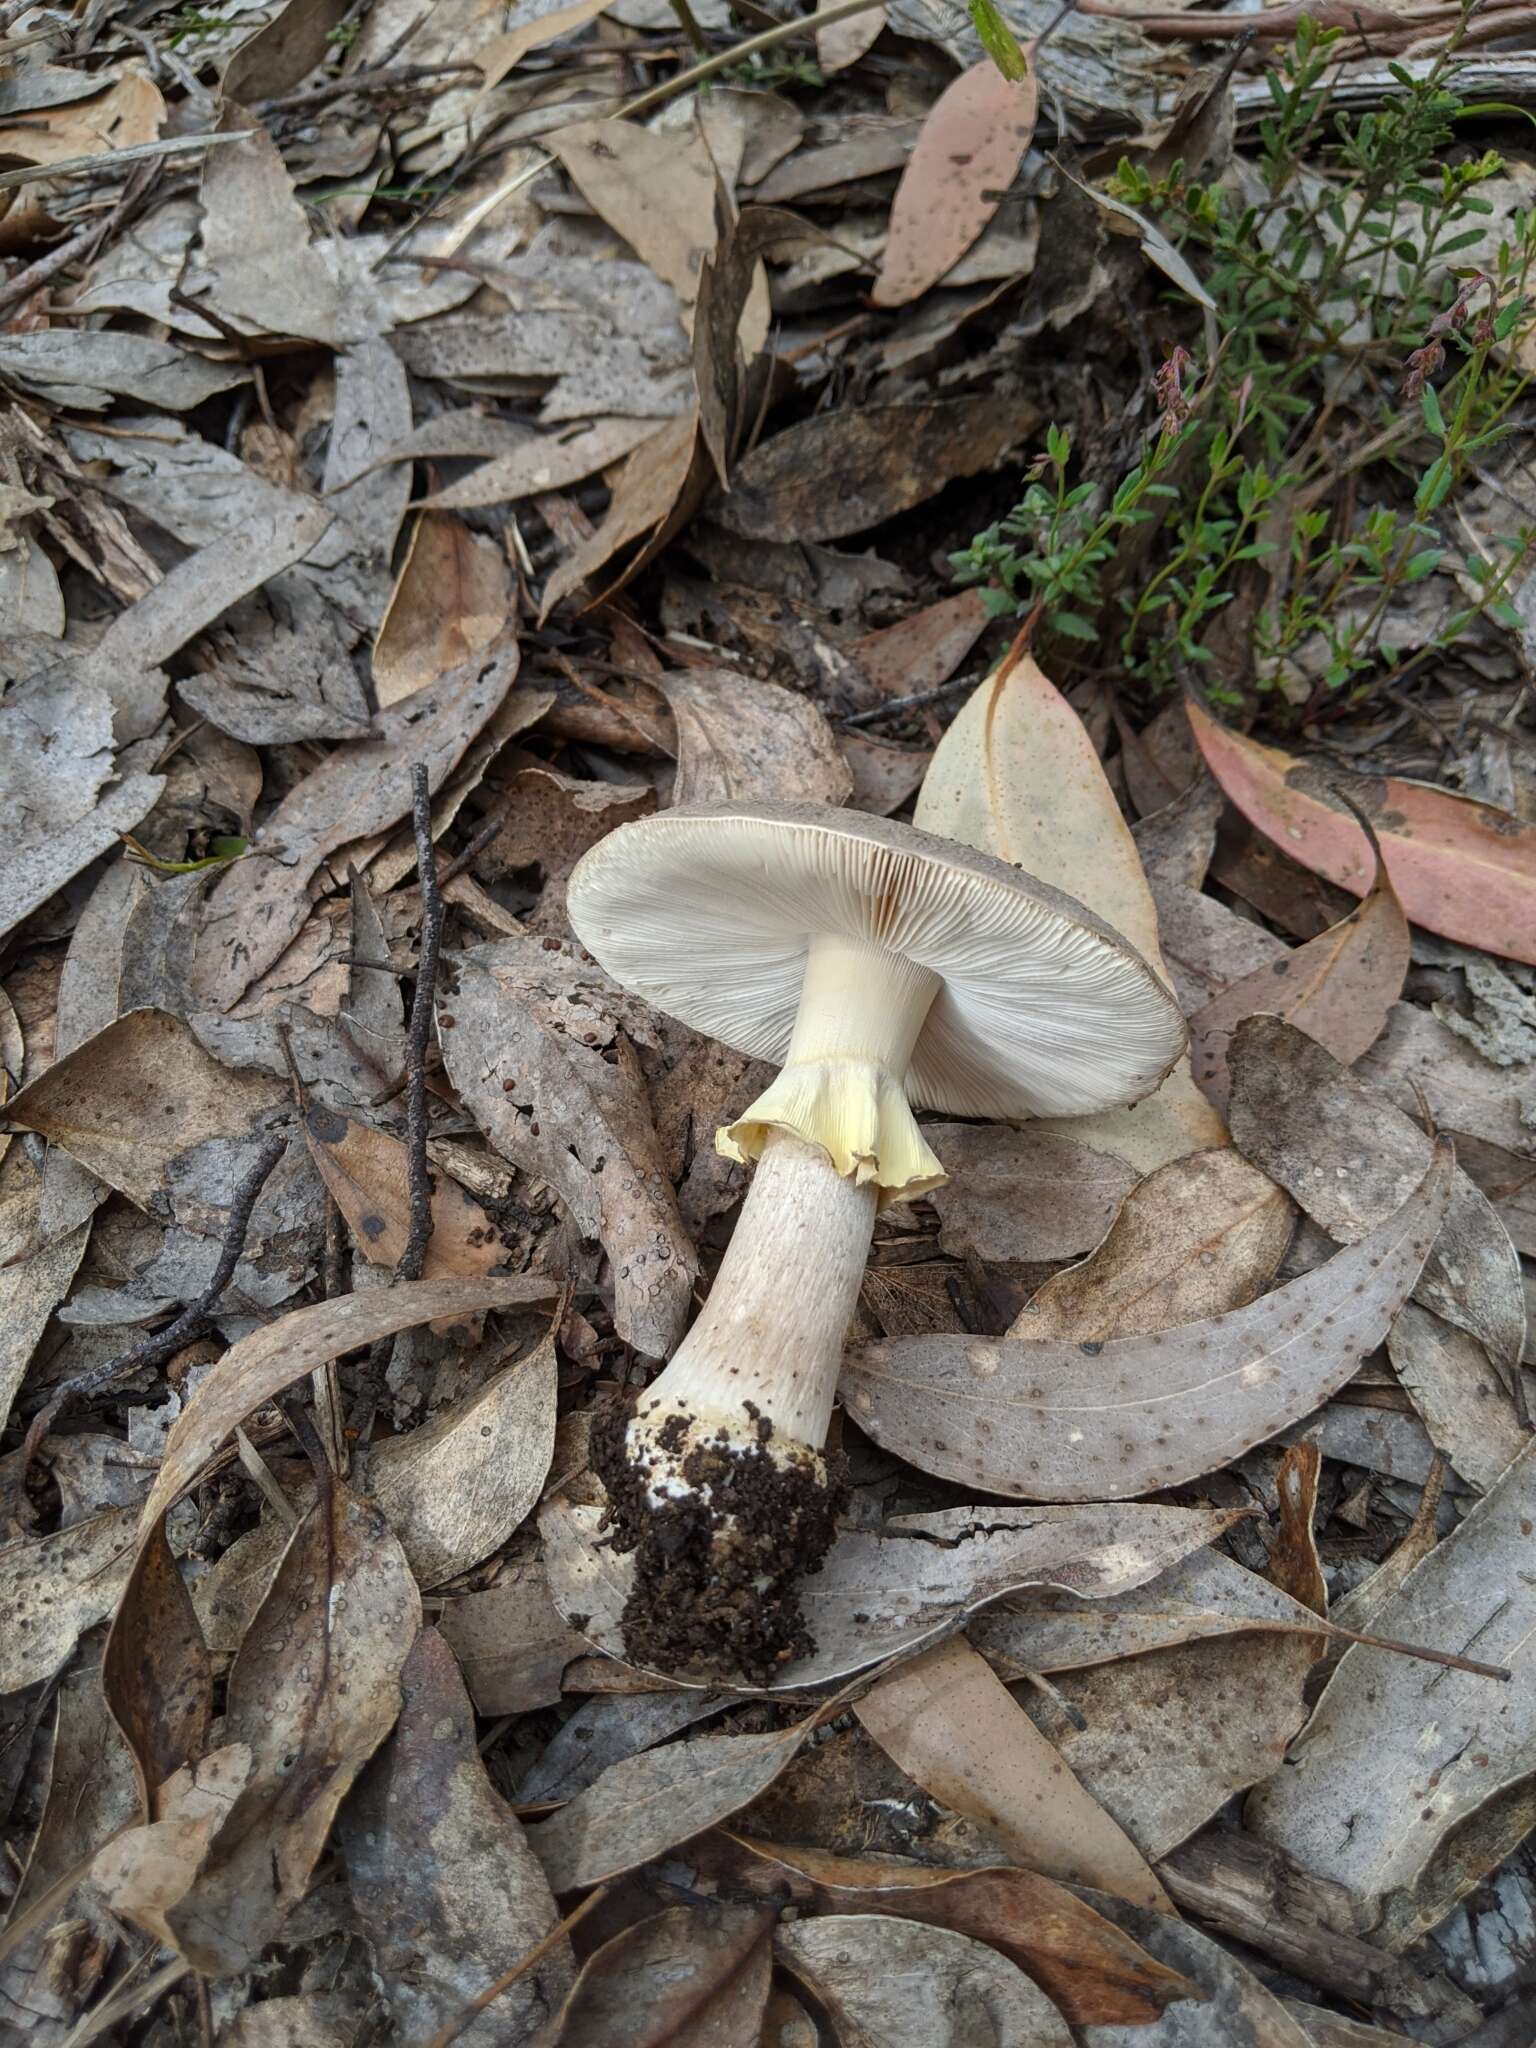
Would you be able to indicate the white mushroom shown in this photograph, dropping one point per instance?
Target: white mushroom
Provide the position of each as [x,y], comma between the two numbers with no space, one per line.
[884,969]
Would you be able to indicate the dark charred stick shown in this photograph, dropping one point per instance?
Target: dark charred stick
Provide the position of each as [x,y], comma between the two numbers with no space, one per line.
[192,1321]
[918,701]
[417,1127]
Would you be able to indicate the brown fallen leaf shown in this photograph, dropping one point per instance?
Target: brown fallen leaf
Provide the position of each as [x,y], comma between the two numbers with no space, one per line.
[30,1291]
[1338,988]
[607,1729]
[264,275]
[451,598]
[692,1977]
[1023,1194]
[137,1094]
[544,462]
[158,1680]
[1464,1405]
[840,473]
[661,481]
[739,737]
[1460,868]
[1293,1562]
[314,1690]
[1347,1156]
[924,649]
[1097,1421]
[366,1173]
[657,191]
[1016,774]
[147,1870]
[511,1642]
[526,1054]
[1237,2013]
[885,778]
[958,174]
[361,788]
[885,1982]
[650,1803]
[889,1591]
[447,1890]
[953,1727]
[1082,1962]
[1197,1237]
[53,1588]
[549,821]
[841,43]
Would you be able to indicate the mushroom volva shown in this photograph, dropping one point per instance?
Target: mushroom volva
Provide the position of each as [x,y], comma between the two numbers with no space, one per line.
[883,969]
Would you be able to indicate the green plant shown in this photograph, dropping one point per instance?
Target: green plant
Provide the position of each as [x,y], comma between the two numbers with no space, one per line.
[192,25]
[1314,465]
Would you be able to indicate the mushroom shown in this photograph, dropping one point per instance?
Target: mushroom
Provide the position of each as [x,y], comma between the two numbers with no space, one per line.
[882,968]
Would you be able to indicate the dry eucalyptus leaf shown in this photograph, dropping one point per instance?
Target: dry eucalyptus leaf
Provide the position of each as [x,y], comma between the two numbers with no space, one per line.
[659,476]
[526,1054]
[314,1690]
[366,1173]
[446,1888]
[511,1642]
[1348,1157]
[1338,988]
[452,597]
[887,1982]
[1083,1963]
[1418,1057]
[1195,1238]
[1410,1781]
[1023,1194]
[1055,1420]
[1464,1405]
[656,190]
[649,1803]
[84,369]
[264,277]
[606,1730]
[549,820]
[956,1730]
[148,1870]
[692,1977]
[1017,775]
[30,1291]
[742,738]
[886,1591]
[544,462]
[135,1096]
[53,1588]
[1293,1561]
[960,169]
[1237,2011]
[158,1678]
[839,473]
[359,789]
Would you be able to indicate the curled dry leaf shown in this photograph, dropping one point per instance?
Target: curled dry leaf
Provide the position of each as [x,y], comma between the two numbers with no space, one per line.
[1195,1238]
[739,737]
[649,1803]
[1410,1781]
[446,1887]
[957,176]
[1293,1563]
[1083,1963]
[956,1730]
[361,788]
[1348,1157]
[1024,1194]
[1016,775]
[158,1679]
[314,1690]
[1056,1421]
[1461,868]
[365,1171]
[662,478]
[1338,988]
[1237,2011]
[885,1982]
[526,1053]
[888,1591]
[452,598]
[692,1977]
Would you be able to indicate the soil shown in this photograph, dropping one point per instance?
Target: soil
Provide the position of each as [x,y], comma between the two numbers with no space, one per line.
[717,1572]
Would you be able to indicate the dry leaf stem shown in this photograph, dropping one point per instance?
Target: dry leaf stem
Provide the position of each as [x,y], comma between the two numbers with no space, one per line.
[519,1969]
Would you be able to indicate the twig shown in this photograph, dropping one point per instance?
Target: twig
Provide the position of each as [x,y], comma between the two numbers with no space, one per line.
[192,1321]
[109,160]
[802,25]
[417,1170]
[916,702]
[519,1969]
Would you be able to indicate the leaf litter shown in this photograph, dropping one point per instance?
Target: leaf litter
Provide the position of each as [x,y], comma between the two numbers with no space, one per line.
[417,463]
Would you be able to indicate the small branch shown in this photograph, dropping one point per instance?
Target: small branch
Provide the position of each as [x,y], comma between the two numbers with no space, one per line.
[192,1321]
[519,1969]
[918,701]
[418,1173]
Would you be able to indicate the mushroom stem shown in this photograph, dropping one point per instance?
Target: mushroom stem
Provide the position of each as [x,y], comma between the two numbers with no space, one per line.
[772,1330]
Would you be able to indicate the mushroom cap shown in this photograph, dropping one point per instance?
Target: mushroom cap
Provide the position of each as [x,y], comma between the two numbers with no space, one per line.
[707,911]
